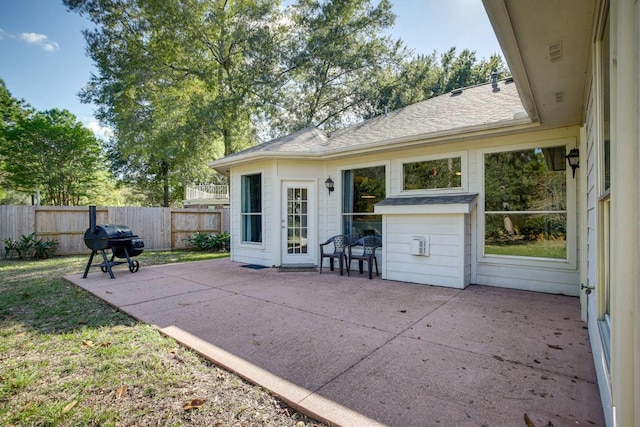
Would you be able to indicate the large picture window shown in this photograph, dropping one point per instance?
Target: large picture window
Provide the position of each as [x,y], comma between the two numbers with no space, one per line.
[251,211]
[432,174]
[526,203]
[361,190]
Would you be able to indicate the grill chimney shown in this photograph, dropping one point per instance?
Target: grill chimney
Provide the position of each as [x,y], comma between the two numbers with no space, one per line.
[92,219]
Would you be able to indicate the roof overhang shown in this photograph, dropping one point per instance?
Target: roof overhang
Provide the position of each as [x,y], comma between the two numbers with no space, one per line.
[462,203]
[547,46]
[225,164]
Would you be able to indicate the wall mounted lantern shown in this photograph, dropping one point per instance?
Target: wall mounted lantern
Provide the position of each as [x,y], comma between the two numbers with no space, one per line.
[329,184]
[573,158]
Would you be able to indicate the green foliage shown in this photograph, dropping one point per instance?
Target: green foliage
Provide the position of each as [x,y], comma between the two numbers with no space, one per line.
[29,247]
[337,51]
[179,81]
[545,227]
[53,152]
[430,174]
[183,82]
[414,79]
[210,242]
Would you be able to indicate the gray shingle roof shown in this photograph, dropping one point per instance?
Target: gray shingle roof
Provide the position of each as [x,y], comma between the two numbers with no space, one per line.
[442,199]
[467,109]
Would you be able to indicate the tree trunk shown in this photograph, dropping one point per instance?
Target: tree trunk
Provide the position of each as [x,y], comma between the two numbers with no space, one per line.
[165,184]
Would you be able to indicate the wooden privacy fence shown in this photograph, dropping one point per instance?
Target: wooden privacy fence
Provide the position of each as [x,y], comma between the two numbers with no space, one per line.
[160,228]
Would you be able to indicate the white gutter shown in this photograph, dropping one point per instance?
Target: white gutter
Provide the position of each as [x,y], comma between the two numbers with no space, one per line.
[428,138]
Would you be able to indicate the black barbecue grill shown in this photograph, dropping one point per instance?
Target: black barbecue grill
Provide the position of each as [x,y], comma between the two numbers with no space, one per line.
[119,238]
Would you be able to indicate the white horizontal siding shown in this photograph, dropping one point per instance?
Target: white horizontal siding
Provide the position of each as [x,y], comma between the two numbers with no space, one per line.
[445,264]
[556,281]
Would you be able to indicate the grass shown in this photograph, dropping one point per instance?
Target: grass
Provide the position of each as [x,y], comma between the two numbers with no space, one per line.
[537,249]
[69,359]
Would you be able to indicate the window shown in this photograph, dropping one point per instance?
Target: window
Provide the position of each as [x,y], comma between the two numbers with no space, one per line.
[606,110]
[361,189]
[433,174]
[525,203]
[251,208]
[604,204]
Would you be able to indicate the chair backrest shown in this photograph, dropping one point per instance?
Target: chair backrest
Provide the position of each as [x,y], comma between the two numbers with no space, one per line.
[369,243]
[340,242]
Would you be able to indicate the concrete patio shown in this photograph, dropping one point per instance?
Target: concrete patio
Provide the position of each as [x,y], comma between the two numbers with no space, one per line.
[353,352]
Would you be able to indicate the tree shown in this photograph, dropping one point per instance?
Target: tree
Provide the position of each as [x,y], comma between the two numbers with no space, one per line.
[425,76]
[11,109]
[336,52]
[52,152]
[179,81]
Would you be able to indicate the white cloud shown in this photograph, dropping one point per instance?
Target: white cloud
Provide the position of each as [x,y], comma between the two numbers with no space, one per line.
[102,132]
[40,40]
[5,35]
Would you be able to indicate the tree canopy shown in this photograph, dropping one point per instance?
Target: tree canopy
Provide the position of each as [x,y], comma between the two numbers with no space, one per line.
[52,152]
[183,82]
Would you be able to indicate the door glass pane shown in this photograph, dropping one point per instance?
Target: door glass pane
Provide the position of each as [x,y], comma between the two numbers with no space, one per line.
[297,219]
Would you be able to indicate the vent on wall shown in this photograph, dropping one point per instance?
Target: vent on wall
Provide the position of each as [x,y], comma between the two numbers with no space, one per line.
[559,97]
[420,245]
[555,51]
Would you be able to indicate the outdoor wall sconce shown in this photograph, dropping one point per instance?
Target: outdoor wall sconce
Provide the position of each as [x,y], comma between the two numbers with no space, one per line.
[573,158]
[329,184]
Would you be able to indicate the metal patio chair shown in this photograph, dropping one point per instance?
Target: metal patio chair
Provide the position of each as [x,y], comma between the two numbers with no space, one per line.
[340,243]
[369,245]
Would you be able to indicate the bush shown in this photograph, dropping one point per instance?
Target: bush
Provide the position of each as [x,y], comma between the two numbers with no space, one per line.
[210,242]
[29,247]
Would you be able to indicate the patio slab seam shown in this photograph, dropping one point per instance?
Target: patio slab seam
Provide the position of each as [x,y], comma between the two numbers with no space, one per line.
[392,338]
[173,296]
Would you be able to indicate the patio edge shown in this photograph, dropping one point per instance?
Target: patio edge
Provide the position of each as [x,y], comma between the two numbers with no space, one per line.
[300,399]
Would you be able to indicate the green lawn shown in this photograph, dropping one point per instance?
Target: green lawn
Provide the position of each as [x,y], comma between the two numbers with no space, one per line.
[69,359]
[538,249]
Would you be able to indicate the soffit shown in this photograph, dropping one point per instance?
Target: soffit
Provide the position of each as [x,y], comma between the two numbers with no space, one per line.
[547,45]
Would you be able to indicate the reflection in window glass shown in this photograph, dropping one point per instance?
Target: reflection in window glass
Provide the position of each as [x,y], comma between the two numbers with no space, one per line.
[433,174]
[525,204]
[362,189]
[251,189]
[606,109]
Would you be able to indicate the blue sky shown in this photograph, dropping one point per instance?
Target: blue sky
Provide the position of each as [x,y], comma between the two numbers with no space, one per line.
[43,60]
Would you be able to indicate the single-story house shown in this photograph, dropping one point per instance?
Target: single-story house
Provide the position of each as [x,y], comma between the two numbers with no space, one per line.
[530,182]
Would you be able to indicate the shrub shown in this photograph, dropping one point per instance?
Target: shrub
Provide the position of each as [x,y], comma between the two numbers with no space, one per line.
[29,247]
[209,242]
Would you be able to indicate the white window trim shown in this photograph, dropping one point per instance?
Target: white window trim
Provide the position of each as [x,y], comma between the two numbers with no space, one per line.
[464,179]
[571,262]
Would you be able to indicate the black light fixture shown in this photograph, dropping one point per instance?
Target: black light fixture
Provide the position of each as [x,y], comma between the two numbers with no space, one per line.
[329,184]
[573,158]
